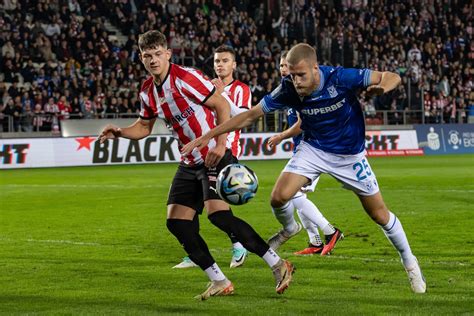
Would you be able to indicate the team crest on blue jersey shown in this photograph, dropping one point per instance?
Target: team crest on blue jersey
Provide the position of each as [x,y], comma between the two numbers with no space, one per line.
[332,91]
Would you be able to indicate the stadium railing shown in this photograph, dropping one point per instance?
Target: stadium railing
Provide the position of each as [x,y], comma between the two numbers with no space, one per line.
[271,122]
[408,117]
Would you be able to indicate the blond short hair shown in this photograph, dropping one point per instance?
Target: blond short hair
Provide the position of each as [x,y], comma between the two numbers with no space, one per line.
[301,52]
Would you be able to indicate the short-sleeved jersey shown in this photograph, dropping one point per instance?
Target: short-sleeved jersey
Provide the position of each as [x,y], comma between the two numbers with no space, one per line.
[179,100]
[332,118]
[292,118]
[239,93]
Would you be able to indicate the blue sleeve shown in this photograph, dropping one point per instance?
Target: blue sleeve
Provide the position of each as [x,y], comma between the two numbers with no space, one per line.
[274,100]
[354,78]
[292,117]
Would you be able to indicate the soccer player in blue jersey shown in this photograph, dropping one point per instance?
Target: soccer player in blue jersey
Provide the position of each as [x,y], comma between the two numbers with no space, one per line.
[333,126]
[309,214]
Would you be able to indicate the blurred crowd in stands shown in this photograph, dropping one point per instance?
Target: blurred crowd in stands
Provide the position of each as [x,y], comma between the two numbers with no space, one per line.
[65,59]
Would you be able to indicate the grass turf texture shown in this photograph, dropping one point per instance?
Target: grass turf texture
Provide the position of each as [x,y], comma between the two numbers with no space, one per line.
[93,240]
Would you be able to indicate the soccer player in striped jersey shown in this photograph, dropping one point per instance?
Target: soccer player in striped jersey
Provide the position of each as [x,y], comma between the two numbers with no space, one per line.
[333,142]
[309,214]
[188,102]
[240,95]
[238,92]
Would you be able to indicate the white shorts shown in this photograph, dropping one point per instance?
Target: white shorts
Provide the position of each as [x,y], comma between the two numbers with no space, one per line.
[353,171]
[310,187]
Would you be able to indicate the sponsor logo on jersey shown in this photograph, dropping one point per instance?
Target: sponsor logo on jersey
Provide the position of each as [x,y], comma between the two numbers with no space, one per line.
[184,115]
[316,98]
[324,110]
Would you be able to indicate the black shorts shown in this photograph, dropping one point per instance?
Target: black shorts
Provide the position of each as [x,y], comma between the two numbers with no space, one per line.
[192,186]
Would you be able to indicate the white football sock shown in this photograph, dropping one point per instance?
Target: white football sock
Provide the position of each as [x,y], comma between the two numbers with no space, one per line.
[237,245]
[311,229]
[271,257]
[312,213]
[285,216]
[395,233]
[328,229]
[214,273]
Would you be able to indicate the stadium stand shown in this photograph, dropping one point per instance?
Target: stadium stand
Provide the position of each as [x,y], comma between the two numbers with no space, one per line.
[63,59]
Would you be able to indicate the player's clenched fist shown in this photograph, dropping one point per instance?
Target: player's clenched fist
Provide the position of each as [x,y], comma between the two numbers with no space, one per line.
[110,132]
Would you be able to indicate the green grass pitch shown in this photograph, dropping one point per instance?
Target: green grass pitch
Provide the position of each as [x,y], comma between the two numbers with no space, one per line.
[93,240]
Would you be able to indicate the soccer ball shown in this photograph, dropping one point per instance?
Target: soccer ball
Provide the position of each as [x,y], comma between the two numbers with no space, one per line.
[237,184]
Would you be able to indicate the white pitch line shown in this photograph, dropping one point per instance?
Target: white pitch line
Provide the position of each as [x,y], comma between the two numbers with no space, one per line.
[52,241]
[70,242]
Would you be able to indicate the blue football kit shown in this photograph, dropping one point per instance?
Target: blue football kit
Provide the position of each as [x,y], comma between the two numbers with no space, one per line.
[332,117]
[333,142]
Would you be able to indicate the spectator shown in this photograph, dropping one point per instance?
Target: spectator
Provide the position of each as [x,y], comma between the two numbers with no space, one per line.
[414,54]
[8,50]
[38,118]
[17,113]
[87,107]
[63,46]
[7,113]
[27,119]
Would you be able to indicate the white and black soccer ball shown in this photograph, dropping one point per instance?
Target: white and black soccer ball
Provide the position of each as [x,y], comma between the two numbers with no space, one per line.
[237,184]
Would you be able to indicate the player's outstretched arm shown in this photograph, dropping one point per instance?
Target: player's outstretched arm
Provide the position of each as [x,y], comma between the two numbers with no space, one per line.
[138,130]
[382,82]
[237,122]
[288,133]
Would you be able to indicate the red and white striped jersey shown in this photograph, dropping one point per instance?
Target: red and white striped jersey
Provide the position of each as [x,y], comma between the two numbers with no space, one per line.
[179,100]
[240,94]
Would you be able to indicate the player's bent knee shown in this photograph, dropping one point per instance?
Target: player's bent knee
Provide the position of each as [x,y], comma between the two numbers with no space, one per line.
[279,199]
[170,224]
[183,230]
[177,226]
